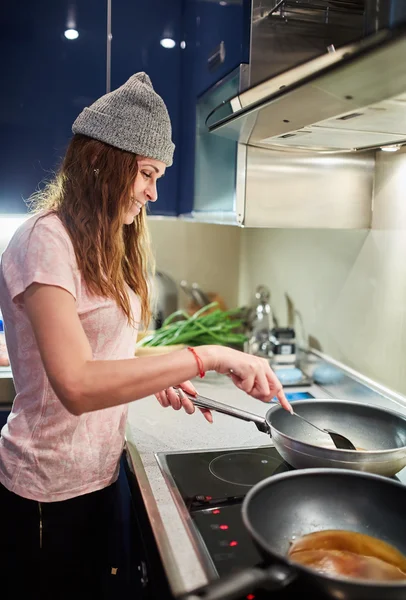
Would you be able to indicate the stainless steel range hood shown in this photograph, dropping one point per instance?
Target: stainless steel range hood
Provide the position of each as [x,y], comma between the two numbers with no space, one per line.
[351,99]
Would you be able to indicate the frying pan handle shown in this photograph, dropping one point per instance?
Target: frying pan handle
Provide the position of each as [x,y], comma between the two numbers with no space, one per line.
[237,585]
[225,409]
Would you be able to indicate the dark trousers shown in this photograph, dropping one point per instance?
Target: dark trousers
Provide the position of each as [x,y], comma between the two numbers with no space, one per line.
[70,549]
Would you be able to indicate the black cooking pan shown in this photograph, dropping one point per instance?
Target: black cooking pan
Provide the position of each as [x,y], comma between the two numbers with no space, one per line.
[287,506]
[381,434]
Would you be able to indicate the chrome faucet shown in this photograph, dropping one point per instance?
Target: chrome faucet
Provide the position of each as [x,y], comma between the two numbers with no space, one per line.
[263,322]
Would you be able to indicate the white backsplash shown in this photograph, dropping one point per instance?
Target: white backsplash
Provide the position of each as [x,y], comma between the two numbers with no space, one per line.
[199,252]
[349,286]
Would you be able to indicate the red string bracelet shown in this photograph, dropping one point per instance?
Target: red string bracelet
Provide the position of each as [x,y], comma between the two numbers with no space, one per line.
[199,361]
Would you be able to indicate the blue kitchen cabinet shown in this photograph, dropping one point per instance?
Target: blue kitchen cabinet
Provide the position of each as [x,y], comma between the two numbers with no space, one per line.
[222,39]
[207,26]
[46,81]
[137,29]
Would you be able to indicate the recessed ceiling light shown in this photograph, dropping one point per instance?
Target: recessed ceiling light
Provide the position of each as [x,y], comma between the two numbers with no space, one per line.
[71,34]
[183,45]
[168,43]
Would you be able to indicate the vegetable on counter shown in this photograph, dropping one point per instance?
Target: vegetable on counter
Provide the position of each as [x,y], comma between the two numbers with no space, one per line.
[209,325]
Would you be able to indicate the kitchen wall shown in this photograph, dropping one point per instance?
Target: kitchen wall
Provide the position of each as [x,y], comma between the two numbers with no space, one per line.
[199,252]
[207,254]
[348,286]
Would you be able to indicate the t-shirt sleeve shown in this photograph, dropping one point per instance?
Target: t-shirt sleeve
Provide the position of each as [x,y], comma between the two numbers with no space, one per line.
[43,255]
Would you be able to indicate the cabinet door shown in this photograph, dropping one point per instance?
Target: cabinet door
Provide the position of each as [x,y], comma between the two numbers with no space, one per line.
[46,81]
[209,28]
[151,580]
[216,159]
[137,29]
[222,38]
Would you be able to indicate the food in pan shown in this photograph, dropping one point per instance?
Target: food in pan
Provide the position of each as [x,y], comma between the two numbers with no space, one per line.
[341,553]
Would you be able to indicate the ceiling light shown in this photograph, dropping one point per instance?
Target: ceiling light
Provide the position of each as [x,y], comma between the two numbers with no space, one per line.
[222,3]
[168,43]
[71,34]
[183,45]
[390,148]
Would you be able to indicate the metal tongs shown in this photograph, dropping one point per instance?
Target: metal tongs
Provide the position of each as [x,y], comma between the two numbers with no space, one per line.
[225,409]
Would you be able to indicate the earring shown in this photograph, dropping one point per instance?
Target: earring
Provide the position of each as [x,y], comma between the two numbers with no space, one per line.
[96,171]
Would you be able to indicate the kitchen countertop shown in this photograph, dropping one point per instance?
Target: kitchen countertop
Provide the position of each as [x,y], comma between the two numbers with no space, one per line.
[152,429]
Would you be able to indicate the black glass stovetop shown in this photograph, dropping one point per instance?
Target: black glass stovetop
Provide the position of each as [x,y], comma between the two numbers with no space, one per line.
[213,485]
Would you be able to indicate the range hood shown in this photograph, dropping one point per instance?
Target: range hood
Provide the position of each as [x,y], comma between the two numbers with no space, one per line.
[346,100]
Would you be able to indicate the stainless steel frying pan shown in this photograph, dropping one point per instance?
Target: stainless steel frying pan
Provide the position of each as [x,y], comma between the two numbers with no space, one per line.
[378,432]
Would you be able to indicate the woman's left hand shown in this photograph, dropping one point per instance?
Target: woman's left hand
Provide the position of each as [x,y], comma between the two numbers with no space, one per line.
[177,399]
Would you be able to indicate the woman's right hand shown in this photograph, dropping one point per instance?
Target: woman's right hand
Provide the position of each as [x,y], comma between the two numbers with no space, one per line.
[178,399]
[251,374]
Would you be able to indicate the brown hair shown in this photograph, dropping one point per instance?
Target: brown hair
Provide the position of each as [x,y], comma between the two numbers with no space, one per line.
[91,195]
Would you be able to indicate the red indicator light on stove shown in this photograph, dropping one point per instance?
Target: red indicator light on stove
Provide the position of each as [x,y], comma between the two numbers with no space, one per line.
[224,527]
[216,512]
[250,597]
[233,543]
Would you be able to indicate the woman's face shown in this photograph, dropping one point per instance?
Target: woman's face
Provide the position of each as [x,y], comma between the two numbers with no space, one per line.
[144,190]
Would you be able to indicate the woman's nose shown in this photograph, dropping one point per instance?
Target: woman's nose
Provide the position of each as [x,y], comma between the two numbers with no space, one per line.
[152,192]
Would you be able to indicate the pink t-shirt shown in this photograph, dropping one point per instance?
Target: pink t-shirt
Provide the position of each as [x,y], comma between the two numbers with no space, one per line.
[46,453]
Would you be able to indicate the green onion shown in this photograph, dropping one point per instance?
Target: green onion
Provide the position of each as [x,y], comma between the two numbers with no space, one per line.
[203,327]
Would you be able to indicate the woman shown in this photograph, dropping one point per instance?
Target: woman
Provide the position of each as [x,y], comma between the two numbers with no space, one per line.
[73,291]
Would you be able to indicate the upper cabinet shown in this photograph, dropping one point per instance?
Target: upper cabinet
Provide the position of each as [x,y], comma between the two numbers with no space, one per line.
[139,29]
[222,39]
[199,55]
[48,78]
[215,41]
[46,81]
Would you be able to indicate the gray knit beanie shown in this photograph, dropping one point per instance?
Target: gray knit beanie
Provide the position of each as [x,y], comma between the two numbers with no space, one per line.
[133,117]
